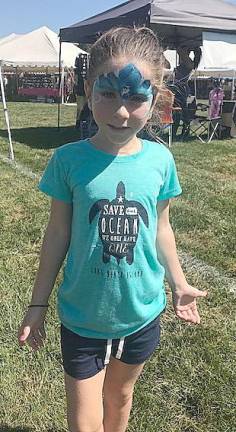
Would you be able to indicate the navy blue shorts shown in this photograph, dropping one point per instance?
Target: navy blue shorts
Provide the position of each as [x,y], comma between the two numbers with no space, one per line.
[85,357]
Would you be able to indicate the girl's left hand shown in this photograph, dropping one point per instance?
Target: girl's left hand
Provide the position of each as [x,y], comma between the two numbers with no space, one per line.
[185,305]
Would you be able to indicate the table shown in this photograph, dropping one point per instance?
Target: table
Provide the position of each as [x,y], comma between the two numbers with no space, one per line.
[40,91]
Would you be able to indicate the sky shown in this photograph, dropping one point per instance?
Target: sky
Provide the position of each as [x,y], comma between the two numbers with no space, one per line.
[22,16]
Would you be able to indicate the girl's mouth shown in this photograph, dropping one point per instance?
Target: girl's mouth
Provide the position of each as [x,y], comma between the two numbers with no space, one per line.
[118,128]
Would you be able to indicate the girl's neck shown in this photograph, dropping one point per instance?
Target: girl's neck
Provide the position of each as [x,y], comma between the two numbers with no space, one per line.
[132,146]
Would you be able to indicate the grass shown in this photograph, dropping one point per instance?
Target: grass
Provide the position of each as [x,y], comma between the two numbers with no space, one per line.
[34,131]
[204,217]
[188,385]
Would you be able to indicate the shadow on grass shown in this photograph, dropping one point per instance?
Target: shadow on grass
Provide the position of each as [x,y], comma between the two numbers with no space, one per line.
[43,137]
[6,428]
[52,137]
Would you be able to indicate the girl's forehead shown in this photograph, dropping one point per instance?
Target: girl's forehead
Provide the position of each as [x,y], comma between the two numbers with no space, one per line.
[117,64]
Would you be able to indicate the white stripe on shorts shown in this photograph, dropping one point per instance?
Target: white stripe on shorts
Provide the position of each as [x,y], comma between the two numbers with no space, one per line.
[108,351]
[120,348]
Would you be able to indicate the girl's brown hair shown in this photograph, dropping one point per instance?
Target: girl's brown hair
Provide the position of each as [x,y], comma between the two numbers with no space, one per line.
[140,43]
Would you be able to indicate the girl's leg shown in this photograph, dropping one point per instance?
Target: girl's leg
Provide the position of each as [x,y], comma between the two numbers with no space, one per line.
[118,394]
[85,403]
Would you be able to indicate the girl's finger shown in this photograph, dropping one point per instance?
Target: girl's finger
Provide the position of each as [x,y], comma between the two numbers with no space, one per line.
[199,293]
[182,315]
[33,342]
[186,315]
[37,338]
[190,316]
[42,332]
[197,316]
[23,335]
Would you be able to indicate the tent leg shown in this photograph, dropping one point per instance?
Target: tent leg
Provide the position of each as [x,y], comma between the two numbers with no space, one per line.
[59,91]
[195,86]
[11,152]
[62,86]
[232,88]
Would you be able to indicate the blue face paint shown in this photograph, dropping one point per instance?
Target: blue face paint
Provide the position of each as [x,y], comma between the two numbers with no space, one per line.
[127,82]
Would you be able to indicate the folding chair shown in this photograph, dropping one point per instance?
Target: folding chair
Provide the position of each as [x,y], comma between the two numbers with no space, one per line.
[206,127]
[160,126]
[166,121]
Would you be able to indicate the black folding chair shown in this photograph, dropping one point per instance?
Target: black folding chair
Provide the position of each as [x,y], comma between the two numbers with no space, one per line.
[204,127]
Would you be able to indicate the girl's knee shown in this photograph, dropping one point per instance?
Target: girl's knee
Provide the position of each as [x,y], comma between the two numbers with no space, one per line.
[119,397]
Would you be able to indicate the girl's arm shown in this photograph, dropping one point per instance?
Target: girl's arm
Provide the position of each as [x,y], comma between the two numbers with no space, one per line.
[184,296]
[54,248]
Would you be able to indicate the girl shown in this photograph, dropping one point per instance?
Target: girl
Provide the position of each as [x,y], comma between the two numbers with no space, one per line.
[110,212]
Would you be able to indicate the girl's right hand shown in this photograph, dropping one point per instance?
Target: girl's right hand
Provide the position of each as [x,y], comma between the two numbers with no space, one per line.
[32,328]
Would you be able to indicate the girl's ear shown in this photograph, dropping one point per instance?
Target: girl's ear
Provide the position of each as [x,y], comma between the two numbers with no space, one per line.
[88,92]
[155,98]
[154,102]
[87,88]
[150,114]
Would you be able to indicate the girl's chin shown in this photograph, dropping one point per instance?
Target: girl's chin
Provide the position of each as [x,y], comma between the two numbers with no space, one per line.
[119,138]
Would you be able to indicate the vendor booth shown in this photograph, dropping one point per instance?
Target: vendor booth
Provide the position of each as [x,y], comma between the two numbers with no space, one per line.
[34,58]
[178,23]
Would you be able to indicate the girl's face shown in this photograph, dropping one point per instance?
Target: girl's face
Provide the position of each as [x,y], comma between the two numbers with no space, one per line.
[122,98]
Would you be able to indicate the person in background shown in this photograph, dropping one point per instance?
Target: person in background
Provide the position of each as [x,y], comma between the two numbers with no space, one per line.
[80,95]
[216,97]
[181,88]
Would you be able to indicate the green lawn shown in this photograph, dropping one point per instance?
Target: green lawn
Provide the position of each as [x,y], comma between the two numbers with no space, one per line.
[188,385]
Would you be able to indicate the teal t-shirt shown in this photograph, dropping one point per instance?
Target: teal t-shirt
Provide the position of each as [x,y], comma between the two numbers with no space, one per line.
[113,281]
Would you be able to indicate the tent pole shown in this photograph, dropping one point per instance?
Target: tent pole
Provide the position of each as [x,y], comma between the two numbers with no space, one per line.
[11,152]
[59,88]
[62,85]
[232,88]
[195,84]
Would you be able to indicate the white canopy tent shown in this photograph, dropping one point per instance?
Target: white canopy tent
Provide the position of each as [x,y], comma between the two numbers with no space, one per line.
[219,51]
[218,55]
[8,38]
[37,49]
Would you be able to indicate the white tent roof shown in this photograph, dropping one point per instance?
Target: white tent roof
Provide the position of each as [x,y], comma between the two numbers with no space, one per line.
[170,55]
[9,38]
[37,48]
[218,55]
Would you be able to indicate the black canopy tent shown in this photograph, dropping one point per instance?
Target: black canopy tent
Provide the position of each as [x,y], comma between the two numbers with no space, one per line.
[176,22]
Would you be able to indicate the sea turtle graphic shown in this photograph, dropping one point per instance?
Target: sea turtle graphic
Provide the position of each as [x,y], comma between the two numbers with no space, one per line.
[118,225]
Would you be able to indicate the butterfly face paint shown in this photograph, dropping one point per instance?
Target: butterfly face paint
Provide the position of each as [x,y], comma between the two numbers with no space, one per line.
[129,84]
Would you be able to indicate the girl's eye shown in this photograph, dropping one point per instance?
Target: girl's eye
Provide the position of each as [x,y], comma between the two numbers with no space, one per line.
[138,98]
[108,94]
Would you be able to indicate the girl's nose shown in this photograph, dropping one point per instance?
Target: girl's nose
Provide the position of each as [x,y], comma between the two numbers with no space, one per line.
[122,112]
